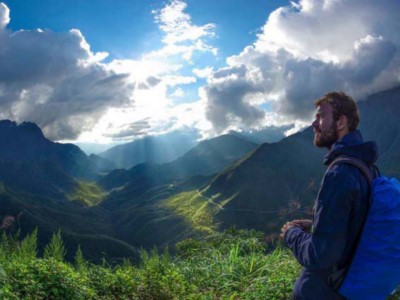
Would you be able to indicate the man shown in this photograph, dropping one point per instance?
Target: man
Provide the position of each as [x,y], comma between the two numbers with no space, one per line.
[326,243]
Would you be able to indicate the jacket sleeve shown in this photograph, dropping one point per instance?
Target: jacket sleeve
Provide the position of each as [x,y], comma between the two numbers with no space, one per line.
[324,247]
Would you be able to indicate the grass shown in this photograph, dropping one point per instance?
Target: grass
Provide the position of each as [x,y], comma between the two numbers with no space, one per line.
[230,265]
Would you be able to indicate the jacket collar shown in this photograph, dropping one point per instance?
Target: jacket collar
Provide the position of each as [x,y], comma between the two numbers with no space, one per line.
[352,144]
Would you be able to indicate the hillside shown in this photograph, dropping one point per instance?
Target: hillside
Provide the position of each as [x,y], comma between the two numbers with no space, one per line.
[26,143]
[207,158]
[90,228]
[380,115]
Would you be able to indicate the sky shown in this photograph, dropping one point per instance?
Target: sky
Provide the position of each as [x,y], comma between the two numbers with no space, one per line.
[105,71]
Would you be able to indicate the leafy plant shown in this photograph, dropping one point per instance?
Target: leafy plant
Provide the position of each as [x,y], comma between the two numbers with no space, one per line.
[55,249]
[230,265]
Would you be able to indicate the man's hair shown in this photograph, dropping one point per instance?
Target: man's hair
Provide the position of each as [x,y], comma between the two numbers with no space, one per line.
[343,105]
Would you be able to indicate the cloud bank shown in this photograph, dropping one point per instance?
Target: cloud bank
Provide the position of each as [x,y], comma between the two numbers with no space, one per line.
[56,81]
[303,51]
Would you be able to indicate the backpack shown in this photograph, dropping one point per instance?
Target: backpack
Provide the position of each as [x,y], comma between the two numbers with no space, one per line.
[374,271]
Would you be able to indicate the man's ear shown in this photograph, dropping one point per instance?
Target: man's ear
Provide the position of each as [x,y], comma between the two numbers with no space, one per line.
[342,123]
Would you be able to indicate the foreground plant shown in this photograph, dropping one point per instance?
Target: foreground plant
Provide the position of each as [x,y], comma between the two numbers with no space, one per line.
[231,265]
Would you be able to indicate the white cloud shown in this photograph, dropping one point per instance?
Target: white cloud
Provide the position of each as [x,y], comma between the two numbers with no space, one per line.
[178,26]
[203,73]
[4,16]
[178,93]
[173,80]
[56,81]
[181,35]
[303,51]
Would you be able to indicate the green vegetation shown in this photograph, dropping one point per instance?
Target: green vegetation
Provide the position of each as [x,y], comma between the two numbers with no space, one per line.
[88,193]
[196,209]
[231,265]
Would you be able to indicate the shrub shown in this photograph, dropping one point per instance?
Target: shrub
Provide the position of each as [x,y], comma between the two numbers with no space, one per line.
[47,279]
[55,249]
[231,265]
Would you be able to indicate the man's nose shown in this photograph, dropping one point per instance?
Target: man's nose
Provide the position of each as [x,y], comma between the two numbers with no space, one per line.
[314,123]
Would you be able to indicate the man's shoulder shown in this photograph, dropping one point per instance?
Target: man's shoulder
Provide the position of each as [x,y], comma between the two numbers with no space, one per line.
[344,174]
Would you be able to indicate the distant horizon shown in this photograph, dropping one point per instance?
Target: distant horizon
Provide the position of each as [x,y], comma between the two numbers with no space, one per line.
[111,73]
[270,134]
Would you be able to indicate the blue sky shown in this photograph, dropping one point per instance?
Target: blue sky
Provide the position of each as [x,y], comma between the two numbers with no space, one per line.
[111,71]
[126,28]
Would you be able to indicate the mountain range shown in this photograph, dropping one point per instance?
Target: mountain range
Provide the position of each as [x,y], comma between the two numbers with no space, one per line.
[220,182]
[153,149]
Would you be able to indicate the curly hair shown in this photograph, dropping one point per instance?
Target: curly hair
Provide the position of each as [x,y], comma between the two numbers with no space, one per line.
[343,105]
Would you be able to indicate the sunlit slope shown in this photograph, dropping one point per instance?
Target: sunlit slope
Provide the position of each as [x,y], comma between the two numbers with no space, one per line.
[195,209]
[142,219]
[88,193]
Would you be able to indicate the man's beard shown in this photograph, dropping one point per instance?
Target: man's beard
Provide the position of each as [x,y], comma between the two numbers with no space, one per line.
[326,138]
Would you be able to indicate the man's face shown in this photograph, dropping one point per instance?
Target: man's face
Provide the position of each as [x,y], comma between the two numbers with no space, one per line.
[325,132]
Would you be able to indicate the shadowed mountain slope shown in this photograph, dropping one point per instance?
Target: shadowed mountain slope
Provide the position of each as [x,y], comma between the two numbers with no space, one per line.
[26,143]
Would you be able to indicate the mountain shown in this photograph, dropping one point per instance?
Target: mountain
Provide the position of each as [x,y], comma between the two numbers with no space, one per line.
[265,186]
[136,196]
[380,121]
[26,143]
[92,228]
[207,158]
[269,134]
[156,149]
[280,181]
[46,185]
[102,164]
[38,182]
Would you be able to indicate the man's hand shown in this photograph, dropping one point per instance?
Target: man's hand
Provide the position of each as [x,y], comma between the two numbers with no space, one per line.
[286,228]
[305,224]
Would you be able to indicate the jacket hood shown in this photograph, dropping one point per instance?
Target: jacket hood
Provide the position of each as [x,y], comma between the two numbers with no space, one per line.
[352,144]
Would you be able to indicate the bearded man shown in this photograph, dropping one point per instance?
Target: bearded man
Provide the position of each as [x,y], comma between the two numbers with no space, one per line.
[324,246]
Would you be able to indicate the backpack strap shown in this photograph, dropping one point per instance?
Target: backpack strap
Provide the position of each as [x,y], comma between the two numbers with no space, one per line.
[338,274]
[361,165]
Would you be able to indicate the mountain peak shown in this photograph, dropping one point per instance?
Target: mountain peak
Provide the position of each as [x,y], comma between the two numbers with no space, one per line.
[25,129]
[7,124]
[31,128]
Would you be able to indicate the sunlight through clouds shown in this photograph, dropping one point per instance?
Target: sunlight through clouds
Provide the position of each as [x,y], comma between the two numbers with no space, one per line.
[75,95]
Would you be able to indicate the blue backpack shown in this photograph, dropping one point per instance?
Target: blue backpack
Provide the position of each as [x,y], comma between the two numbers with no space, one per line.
[374,271]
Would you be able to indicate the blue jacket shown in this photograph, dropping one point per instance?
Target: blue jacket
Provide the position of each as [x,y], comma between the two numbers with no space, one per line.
[339,211]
